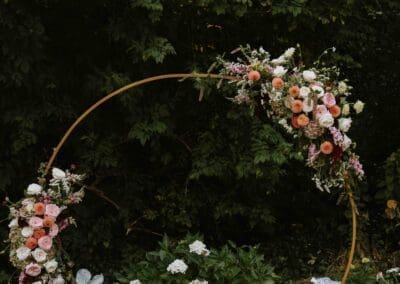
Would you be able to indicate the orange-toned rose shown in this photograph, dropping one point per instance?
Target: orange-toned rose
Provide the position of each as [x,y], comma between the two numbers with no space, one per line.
[326,147]
[303,120]
[48,221]
[335,111]
[294,122]
[31,243]
[294,91]
[277,83]
[297,106]
[39,208]
[254,75]
[37,234]
[391,203]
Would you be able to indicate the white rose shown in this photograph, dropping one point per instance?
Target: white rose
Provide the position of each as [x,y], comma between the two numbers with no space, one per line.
[177,266]
[308,105]
[58,174]
[344,124]
[58,280]
[289,52]
[319,90]
[304,92]
[27,232]
[83,276]
[342,87]
[309,75]
[346,109]
[39,255]
[13,223]
[281,59]
[51,266]
[23,253]
[326,120]
[34,189]
[136,281]
[393,270]
[199,248]
[358,106]
[279,71]
[346,142]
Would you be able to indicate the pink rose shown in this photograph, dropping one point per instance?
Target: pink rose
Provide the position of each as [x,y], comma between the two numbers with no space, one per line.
[320,110]
[45,242]
[52,210]
[33,269]
[36,222]
[53,231]
[329,100]
[22,278]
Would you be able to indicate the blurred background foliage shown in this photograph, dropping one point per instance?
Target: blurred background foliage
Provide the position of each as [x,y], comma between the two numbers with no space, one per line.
[161,162]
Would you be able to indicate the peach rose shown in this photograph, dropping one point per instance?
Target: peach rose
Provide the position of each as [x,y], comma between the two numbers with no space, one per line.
[297,106]
[45,242]
[277,83]
[48,221]
[33,269]
[294,91]
[335,111]
[39,208]
[294,122]
[326,147]
[36,222]
[31,243]
[303,120]
[254,75]
[52,210]
[38,233]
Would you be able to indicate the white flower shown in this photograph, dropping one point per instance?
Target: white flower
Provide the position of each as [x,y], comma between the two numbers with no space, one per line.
[308,105]
[37,282]
[379,276]
[13,212]
[319,90]
[27,232]
[23,253]
[39,255]
[51,266]
[358,106]
[342,87]
[344,124]
[289,52]
[58,174]
[304,92]
[199,248]
[309,75]
[346,109]
[346,142]
[177,266]
[136,281]
[393,270]
[13,223]
[58,280]
[279,71]
[83,276]
[326,120]
[281,59]
[324,280]
[196,281]
[34,189]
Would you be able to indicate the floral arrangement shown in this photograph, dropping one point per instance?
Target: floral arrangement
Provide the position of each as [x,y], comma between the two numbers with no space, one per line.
[309,103]
[36,222]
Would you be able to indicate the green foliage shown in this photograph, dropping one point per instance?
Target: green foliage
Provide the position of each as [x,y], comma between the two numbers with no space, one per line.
[230,264]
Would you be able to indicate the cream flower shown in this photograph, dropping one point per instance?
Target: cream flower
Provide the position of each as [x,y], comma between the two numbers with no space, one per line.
[279,71]
[281,59]
[39,255]
[342,87]
[27,231]
[13,223]
[308,105]
[177,266]
[319,90]
[58,173]
[51,266]
[289,52]
[34,189]
[344,124]
[346,109]
[309,75]
[199,248]
[304,92]
[23,253]
[58,280]
[326,120]
[358,106]
[346,142]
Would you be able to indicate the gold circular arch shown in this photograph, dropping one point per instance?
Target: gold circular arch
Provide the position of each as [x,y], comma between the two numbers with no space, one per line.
[184,76]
